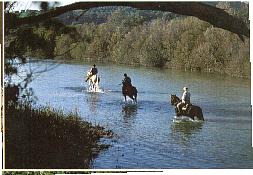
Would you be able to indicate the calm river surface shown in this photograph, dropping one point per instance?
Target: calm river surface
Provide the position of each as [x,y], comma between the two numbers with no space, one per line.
[146,137]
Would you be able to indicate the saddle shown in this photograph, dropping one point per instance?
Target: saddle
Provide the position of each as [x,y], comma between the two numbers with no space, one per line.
[186,108]
[126,87]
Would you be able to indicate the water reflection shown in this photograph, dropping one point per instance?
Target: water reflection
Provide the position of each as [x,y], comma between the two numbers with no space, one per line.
[93,99]
[129,111]
[182,132]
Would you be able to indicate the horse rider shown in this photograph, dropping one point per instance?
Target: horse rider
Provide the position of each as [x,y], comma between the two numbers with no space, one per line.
[126,81]
[185,100]
[93,71]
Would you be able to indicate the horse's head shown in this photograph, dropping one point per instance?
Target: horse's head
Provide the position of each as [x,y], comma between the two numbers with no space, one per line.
[174,100]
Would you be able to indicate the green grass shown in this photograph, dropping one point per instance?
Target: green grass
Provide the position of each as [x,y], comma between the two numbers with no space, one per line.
[47,138]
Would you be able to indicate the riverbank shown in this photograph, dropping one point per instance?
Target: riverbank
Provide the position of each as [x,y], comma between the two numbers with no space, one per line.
[194,46]
[182,43]
[168,68]
[49,139]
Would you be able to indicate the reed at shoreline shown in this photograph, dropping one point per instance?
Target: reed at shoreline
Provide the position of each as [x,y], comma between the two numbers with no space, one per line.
[48,138]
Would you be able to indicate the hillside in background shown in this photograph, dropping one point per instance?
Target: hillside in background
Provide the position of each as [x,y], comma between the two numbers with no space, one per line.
[125,35]
[100,15]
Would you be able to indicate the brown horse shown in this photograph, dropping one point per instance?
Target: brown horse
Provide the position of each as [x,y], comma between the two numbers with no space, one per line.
[130,91]
[192,111]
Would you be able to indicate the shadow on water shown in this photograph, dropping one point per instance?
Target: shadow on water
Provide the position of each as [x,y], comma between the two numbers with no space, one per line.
[182,132]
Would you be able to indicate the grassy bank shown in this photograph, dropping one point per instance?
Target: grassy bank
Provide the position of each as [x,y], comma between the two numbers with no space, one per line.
[47,138]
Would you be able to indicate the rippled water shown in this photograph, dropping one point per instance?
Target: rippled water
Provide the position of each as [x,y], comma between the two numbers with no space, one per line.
[146,137]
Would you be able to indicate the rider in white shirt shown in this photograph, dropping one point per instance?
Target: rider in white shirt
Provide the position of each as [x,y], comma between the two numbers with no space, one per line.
[185,100]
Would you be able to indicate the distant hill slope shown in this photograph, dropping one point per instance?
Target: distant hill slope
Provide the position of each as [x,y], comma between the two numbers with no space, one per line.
[101,14]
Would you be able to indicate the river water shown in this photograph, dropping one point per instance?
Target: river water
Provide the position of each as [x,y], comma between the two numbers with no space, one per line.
[145,136]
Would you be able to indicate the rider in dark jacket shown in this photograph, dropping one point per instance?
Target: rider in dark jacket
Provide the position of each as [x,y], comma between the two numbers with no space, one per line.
[127,80]
[93,71]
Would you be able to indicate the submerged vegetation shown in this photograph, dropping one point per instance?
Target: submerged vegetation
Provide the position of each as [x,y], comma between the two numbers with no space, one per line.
[48,138]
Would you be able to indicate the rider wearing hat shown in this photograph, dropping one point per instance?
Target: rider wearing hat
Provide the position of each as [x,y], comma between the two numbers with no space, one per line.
[93,71]
[185,100]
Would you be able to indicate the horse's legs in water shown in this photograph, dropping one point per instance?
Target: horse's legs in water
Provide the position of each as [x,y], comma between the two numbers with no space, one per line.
[96,84]
[90,85]
[135,98]
[177,112]
[135,94]
[94,87]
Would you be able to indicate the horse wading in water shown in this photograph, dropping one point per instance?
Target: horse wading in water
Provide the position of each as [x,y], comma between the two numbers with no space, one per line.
[129,91]
[93,81]
[192,111]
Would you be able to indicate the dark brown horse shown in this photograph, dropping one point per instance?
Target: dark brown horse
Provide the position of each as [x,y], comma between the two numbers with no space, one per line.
[130,91]
[192,111]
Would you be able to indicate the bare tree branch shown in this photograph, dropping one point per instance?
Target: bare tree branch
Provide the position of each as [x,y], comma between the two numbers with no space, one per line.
[215,16]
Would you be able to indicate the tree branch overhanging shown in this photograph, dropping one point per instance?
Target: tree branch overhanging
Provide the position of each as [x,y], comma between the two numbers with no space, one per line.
[215,16]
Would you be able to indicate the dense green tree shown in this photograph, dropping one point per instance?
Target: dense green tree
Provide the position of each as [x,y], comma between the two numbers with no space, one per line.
[127,37]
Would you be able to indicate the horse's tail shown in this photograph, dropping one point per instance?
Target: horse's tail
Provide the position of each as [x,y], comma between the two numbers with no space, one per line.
[201,117]
[135,91]
[96,79]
